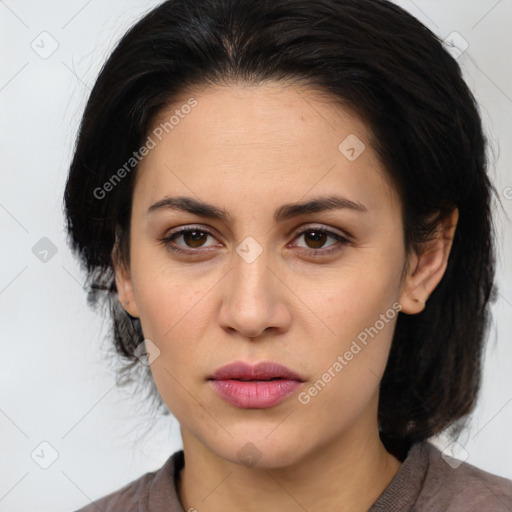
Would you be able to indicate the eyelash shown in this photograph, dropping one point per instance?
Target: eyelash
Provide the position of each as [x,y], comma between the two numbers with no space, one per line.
[167,240]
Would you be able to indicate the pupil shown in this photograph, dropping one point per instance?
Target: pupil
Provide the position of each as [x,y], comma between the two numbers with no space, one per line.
[317,239]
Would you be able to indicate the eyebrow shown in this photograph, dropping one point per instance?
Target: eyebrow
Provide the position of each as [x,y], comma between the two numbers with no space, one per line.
[287,211]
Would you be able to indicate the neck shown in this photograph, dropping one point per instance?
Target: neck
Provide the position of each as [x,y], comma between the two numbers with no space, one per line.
[347,474]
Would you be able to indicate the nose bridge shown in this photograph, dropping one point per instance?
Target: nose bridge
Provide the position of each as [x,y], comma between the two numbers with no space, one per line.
[251,275]
[251,301]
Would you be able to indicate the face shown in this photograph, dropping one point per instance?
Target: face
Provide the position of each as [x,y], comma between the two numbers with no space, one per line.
[256,237]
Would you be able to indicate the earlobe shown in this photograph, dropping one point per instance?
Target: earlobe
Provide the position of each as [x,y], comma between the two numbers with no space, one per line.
[427,268]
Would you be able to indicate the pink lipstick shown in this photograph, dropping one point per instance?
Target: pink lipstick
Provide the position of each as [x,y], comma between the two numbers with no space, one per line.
[257,386]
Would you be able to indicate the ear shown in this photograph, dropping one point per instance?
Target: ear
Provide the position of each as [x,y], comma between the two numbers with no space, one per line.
[124,282]
[427,266]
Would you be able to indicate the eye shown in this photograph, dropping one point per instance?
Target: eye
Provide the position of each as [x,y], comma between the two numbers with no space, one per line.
[193,237]
[316,240]
[320,241]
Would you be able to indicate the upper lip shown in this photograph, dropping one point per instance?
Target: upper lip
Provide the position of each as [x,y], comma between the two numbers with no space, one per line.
[263,370]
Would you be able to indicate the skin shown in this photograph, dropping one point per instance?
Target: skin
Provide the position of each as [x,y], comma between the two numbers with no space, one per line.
[249,150]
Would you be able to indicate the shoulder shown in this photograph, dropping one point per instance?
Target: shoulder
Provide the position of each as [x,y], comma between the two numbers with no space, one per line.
[453,485]
[430,481]
[147,493]
[126,498]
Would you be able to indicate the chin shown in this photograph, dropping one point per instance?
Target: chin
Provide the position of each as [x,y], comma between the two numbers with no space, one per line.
[262,451]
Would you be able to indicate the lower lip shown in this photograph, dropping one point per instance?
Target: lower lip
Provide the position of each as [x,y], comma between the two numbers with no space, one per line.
[255,394]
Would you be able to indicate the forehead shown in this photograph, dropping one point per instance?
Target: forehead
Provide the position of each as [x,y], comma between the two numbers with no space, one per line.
[259,141]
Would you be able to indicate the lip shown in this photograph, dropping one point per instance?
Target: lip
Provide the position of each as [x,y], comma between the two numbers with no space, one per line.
[255,386]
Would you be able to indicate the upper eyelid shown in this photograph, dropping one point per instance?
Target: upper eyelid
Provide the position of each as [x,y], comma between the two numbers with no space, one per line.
[188,227]
[320,227]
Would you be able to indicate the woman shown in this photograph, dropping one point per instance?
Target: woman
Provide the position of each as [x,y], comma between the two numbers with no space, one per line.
[286,205]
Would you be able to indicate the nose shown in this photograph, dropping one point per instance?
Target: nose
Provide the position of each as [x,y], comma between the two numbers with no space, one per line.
[253,299]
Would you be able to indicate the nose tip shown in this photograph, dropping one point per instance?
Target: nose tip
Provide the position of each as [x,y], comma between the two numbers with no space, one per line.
[250,316]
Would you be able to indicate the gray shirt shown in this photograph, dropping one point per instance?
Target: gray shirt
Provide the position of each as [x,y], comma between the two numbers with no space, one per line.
[425,482]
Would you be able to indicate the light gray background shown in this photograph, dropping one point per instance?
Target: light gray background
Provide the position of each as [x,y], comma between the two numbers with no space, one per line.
[56,385]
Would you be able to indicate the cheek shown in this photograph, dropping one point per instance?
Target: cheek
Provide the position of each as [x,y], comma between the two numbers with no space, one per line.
[172,315]
[174,320]
[167,297]
[355,297]
[348,366]
[175,308]
[360,307]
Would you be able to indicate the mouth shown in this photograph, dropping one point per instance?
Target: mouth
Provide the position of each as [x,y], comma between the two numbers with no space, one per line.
[257,386]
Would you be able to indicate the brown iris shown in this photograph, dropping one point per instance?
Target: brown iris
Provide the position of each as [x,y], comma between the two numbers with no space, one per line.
[195,238]
[315,239]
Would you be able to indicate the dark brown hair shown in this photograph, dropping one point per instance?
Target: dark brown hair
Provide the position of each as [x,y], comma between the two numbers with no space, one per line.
[368,55]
